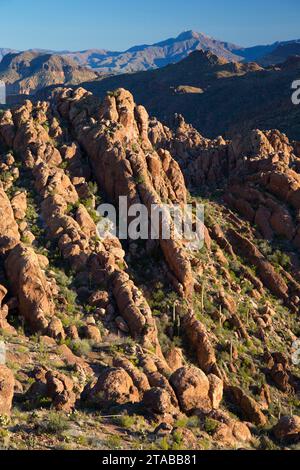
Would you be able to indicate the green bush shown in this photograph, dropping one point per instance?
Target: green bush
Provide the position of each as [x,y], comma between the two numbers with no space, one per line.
[56,423]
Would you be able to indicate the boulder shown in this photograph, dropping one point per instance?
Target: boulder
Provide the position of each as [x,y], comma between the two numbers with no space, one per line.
[7,383]
[30,285]
[55,329]
[9,232]
[215,390]
[191,387]
[92,333]
[60,390]
[4,309]
[114,387]
[288,429]
[99,299]
[248,406]
[122,325]
[158,400]
[138,377]
[19,205]
[174,358]
[198,336]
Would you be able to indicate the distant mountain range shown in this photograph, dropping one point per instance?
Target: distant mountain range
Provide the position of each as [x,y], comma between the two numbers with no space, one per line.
[4,52]
[218,87]
[281,53]
[216,96]
[146,57]
[27,72]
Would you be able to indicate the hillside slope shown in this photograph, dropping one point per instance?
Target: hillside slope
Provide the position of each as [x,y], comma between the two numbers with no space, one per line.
[281,53]
[154,346]
[27,72]
[226,98]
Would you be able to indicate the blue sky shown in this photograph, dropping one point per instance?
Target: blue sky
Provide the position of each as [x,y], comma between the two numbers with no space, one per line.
[120,24]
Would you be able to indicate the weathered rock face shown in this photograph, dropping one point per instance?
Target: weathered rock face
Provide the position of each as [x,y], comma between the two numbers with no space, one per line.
[30,286]
[215,390]
[229,431]
[92,333]
[269,184]
[54,385]
[55,329]
[125,163]
[288,429]
[158,400]
[198,337]
[191,386]
[267,273]
[60,390]
[261,168]
[97,304]
[7,382]
[138,377]
[114,386]
[9,233]
[156,379]
[279,371]
[4,325]
[19,205]
[174,358]
[248,406]
[202,160]
[74,233]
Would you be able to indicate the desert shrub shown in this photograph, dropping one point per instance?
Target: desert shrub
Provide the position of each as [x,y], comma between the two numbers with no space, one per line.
[80,347]
[280,259]
[55,423]
[210,425]
[114,442]
[125,421]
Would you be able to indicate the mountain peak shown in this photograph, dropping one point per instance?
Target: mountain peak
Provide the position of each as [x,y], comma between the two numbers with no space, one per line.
[186,35]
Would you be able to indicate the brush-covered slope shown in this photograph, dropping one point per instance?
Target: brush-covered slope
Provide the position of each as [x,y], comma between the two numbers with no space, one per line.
[218,97]
[153,346]
[281,53]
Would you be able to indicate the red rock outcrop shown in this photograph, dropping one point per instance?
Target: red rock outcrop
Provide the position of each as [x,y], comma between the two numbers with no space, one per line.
[288,429]
[4,310]
[198,336]
[124,162]
[114,386]
[191,386]
[30,286]
[9,232]
[248,406]
[7,382]
[75,234]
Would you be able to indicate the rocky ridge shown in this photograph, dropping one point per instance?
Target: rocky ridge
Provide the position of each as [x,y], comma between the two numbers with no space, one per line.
[198,344]
[25,73]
